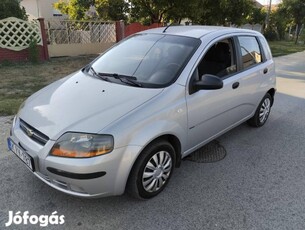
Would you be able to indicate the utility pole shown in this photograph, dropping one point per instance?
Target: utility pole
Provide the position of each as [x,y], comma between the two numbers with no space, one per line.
[268,15]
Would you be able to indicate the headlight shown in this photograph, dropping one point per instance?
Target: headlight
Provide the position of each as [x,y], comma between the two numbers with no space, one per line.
[80,145]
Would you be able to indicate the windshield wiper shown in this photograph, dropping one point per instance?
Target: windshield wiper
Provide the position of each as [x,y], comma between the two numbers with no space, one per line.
[95,74]
[130,80]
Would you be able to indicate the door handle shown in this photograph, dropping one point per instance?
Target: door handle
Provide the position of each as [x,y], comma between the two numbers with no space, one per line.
[265,70]
[235,85]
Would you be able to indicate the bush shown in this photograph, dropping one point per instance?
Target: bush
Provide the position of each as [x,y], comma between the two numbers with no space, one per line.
[12,8]
[33,51]
[6,62]
[271,34]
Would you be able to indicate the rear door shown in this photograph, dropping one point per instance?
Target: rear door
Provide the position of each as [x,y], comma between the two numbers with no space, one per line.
[254,68]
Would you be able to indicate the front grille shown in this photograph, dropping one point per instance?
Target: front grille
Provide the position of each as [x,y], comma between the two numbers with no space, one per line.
[33,133]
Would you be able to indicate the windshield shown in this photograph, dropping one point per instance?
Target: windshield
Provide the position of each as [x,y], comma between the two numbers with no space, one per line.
[154,60]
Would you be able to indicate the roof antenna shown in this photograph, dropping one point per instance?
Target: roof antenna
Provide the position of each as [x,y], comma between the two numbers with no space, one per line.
[172,24]
[166,28]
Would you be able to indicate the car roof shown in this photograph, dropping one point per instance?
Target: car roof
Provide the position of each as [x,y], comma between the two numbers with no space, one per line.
[197,31]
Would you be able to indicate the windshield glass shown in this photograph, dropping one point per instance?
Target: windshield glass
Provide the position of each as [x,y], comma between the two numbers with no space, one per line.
[154,60]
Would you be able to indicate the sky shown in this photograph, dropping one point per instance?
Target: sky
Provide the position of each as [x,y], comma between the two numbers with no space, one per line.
[266,2]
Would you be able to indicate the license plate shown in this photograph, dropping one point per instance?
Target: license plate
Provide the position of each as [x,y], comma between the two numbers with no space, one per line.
[26,158]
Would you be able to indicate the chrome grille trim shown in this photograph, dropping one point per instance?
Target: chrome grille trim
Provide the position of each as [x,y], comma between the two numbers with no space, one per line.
[33,133]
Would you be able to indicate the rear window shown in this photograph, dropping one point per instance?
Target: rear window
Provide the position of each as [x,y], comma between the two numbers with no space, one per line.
[250,51]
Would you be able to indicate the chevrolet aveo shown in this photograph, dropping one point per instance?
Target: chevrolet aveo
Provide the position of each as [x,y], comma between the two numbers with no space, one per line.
[125,121]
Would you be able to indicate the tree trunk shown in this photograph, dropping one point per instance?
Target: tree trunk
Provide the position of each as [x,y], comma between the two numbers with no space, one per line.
[298,30]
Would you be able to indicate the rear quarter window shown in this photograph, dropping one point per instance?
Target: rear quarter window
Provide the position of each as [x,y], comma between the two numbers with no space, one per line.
[266,48]
[250,51]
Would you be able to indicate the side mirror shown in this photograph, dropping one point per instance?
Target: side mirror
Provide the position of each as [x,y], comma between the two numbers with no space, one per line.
[208,82]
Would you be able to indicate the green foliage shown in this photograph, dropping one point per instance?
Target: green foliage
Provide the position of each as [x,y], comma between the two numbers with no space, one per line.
[105,9]
[222,12]
[208,12]
[12,8]
[76,9]
[156,11]
[257,16]
[111,9]
[33,51]
[278,23]
[294,10]
[271,34]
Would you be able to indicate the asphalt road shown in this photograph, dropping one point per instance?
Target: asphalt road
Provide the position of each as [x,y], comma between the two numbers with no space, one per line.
[260,184]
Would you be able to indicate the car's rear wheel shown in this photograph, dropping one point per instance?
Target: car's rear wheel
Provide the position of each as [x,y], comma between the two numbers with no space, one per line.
[152,170]
[262,112]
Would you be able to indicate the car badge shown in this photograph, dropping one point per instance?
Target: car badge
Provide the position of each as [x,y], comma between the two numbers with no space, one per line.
[29,132]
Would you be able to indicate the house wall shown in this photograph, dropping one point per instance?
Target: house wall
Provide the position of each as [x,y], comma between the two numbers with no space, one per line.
[46,8]
[39,8]
[30,7]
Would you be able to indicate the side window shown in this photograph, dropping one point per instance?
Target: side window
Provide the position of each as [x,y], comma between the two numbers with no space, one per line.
[219,60]
[266,48]
[250,51]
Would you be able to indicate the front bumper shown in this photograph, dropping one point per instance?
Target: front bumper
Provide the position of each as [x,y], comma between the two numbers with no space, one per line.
[99,176]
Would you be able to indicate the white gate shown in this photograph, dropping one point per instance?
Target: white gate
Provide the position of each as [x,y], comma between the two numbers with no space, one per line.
[72,38]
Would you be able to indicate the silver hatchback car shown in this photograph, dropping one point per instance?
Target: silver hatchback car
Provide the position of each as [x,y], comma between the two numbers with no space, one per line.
[125,121]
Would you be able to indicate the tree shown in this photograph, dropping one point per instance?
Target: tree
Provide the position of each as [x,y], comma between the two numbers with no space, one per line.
[12,8]
[111,9]
[222,12]
[104,9]
[257,16]
[210,12]
[295,10]
[179,11]
[149,11]
[279,22]
[75,9]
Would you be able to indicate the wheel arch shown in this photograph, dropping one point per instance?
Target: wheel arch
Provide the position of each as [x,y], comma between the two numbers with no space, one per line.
[171,139]
[272,93]
[175,142]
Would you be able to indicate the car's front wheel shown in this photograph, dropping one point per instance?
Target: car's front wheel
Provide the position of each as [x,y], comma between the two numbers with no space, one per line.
[262,112]
[152,170]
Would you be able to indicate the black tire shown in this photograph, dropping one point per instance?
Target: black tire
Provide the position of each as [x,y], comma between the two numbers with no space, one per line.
[160,176]
[262,112]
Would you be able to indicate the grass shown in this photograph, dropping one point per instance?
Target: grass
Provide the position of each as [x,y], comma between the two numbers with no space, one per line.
[280,48]
[19,81]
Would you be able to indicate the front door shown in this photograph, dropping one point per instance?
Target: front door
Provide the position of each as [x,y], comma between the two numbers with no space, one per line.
[212,112]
